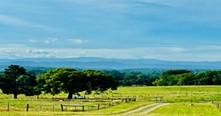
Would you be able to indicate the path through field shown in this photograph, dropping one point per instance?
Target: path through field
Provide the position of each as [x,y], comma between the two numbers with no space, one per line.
[143,110]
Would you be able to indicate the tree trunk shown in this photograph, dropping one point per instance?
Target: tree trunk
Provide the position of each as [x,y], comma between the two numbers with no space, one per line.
[70,95]
[15,95]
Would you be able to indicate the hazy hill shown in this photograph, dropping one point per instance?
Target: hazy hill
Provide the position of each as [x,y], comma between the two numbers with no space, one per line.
[105,63]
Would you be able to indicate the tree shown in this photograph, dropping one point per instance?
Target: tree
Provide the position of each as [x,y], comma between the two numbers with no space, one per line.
[116,75]
[98,81]
[186,79]
[15,80]
[209,78]
[217,78]
[173,77]
[59,80]
[27,85]
[72,81]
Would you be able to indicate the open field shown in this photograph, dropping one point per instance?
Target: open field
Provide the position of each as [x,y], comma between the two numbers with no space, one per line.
[174,93]
[187,109]
[184,100]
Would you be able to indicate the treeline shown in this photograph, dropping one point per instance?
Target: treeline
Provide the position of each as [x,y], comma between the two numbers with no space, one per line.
[17,80]
[185,77]
[131,78]
[167,78]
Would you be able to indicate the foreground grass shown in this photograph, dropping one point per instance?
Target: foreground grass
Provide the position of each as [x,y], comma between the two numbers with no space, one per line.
[180,95]
[187,109]
[124,107]
[174,109]
[14,113]
[173,93]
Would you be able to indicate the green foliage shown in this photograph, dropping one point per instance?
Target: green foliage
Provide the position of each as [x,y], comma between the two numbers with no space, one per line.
[173,77]
[73,81]
[61,79]
[98,81]
[16,80]
[175,72]
[184,77]
[131,78]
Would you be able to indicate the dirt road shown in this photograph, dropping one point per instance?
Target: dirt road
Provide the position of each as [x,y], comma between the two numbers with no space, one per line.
[142,110]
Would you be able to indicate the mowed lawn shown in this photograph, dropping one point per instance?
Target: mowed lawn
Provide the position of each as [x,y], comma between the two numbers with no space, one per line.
[185,101]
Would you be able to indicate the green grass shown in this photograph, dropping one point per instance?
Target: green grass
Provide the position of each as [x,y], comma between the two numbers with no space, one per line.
[121,108]
[113,110]
[180,96]
[187,109]
[174,93]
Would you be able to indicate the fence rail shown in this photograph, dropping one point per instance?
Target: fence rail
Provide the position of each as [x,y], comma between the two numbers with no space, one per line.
[65,105]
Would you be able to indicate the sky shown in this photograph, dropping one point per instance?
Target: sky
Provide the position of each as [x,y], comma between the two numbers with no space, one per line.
[175,30]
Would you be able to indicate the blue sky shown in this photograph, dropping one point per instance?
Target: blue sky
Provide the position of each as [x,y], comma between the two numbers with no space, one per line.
[180,30]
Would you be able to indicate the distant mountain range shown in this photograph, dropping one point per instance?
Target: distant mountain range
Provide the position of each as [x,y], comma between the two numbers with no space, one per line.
[106,63]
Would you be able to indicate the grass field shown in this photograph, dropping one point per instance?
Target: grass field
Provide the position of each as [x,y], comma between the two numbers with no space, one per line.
[187,109]
[174,93]
[185,101]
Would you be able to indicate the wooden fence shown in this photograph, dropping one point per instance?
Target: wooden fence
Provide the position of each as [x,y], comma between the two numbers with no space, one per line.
[69,105]
[122,99]
[29,107]
[218,105]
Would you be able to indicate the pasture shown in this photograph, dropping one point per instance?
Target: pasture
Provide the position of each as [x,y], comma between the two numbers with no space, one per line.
[184,100]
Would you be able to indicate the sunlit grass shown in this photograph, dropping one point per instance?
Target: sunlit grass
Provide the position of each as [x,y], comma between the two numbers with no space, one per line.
[181,98]
[173,93]
[121,108]
[187,109]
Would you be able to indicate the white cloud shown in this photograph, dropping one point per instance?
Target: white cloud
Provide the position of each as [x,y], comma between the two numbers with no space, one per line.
[33,40]
[77,41]
[50,40]
[164,53]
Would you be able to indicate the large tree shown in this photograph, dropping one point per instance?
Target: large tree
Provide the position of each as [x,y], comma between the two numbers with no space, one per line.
[174,77]
[62,79]
[15,80]
[73,81]
[98,81]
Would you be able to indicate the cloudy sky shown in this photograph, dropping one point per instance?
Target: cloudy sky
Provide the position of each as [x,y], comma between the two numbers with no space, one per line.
[181,30]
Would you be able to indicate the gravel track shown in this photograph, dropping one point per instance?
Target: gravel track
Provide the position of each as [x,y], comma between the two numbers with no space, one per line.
[142,110]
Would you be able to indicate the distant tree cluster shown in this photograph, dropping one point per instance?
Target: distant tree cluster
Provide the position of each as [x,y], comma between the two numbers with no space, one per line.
[132,78]
[184,77]
[16,80]
[167,78]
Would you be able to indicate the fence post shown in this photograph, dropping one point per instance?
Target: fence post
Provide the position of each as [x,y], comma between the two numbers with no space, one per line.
[98,107]
[53,108]
[8,107]
[62,109]
[82,108]
[27,108]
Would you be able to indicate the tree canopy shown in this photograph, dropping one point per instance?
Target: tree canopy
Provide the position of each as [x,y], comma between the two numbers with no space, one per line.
[184,77]
[73,81]
[15,80]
